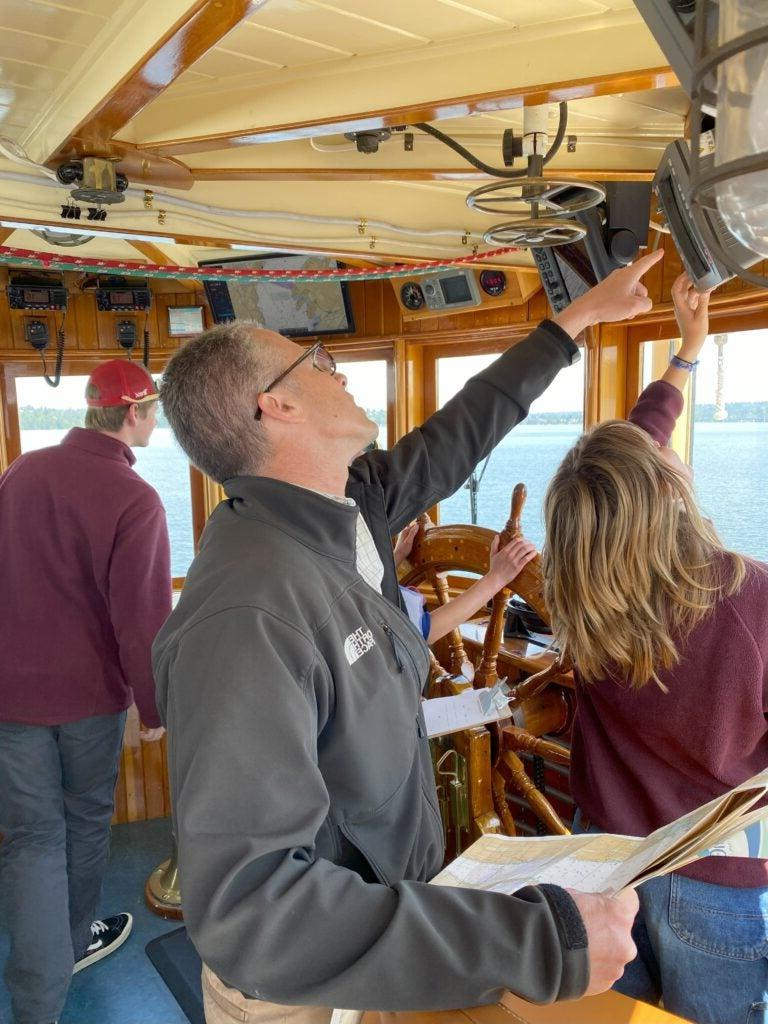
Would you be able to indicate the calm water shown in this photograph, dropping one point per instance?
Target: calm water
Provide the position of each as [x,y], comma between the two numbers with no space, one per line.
[730,462]
[164,466]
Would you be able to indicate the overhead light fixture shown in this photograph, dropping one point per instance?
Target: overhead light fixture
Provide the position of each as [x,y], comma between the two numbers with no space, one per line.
[57,228]
[741,136]
[729,73]
[68,240]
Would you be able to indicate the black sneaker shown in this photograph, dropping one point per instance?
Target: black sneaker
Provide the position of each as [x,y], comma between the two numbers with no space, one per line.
[107,936]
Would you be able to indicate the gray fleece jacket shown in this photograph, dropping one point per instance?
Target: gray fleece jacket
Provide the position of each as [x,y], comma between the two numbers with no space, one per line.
[303,795]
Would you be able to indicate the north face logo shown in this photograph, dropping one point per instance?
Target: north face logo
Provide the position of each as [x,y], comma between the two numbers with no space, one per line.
[358,643]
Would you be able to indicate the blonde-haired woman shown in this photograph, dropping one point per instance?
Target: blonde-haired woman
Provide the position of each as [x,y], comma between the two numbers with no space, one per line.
[669,634]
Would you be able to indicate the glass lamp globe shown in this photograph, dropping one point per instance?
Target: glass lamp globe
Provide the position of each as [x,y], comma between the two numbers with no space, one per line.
[742,124]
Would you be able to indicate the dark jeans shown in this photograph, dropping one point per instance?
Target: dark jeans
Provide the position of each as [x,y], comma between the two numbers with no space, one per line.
[57,787]
[701,948]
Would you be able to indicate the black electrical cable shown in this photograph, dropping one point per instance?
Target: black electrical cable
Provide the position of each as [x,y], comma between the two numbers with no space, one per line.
[145,356]
[56,379]
[499,172]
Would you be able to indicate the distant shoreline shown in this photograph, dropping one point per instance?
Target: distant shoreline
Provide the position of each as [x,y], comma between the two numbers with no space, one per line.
[42,418]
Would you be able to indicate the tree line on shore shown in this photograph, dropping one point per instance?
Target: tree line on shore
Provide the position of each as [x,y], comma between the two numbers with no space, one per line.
[42,418]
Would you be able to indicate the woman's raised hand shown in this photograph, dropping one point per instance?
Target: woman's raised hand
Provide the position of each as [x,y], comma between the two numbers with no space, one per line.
[692,312]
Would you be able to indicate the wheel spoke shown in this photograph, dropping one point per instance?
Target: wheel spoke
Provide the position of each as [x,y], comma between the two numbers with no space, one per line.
[547,194]
[500,196]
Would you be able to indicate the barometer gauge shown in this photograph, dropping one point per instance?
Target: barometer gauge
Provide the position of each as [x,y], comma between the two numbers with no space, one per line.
[411,296]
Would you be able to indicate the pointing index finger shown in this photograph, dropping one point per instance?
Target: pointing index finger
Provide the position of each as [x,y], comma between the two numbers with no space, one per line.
[644,264]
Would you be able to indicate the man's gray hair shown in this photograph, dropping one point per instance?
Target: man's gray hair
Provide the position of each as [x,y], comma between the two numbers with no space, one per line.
[209,392]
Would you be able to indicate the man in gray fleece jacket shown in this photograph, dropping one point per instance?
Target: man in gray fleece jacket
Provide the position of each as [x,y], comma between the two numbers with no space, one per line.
[290,684]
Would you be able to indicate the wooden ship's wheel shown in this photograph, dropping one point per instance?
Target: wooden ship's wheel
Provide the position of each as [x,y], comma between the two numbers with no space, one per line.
[492,756]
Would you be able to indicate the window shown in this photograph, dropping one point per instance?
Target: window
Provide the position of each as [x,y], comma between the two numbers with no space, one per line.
[367,382]
[529,454]
[45,416]
[730,438]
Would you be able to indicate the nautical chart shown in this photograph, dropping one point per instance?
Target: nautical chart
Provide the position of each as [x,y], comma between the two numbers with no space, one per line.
[605,863]
[299,307]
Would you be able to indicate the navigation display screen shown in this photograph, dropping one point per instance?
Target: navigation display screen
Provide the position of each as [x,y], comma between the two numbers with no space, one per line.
[295,308]
[456,289]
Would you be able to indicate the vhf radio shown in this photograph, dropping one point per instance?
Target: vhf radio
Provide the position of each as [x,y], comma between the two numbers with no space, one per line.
[121,295]
[25,291]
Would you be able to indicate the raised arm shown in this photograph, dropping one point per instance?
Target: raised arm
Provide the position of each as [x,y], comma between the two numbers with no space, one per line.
[692,313]
[661,403]
[433,461]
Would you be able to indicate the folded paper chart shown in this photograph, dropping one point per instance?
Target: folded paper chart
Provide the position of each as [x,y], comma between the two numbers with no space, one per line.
[608,863]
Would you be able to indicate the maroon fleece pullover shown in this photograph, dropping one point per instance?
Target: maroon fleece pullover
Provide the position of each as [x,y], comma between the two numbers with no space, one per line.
[86,582]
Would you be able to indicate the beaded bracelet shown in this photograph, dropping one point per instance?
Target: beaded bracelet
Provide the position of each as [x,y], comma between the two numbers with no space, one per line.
[683,364]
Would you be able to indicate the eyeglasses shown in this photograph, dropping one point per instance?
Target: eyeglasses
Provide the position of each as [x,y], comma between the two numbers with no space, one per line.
[321,360]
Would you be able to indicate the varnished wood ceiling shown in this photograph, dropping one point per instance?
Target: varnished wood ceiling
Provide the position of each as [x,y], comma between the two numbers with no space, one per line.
[242,107]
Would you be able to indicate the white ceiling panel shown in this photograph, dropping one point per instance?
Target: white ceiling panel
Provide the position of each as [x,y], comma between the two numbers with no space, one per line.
[281,46]
[68,23]
[319,62]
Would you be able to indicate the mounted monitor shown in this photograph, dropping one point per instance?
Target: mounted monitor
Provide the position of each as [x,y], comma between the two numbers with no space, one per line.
[184,321]
[297,309]
[696,237]
[671,24]
[615,230]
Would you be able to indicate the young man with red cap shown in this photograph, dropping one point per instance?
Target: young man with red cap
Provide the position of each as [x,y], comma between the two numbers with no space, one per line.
[86,585]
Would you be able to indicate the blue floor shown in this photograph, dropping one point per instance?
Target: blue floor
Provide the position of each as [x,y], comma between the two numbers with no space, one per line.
[124,988]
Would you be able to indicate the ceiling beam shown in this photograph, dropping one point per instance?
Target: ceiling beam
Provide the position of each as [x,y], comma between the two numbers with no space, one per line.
[320,174]
[85,113]
[152,252]
[156,255]
[413,113]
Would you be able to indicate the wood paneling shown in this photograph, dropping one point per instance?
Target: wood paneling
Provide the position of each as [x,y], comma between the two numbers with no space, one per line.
[394,174]
[90,332]
[142,784]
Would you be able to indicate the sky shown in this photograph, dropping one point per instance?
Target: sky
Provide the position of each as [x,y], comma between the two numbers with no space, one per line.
[70,394]
[745,369]
[565,393]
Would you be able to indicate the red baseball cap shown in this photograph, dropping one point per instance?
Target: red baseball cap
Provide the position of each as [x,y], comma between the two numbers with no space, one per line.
[121,382]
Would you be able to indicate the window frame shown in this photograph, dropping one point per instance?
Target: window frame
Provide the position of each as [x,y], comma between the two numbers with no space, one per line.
[432,353]
[385,352]
[662,332]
